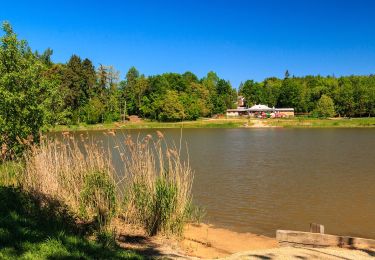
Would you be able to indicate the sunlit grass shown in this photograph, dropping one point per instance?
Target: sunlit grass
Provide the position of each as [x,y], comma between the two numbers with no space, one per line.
[303,122]
[147,124]
[298,122]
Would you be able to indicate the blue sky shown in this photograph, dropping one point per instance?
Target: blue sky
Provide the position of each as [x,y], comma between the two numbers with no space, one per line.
[237,39]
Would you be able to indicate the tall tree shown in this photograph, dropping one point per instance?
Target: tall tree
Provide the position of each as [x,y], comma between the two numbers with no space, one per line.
[21,114]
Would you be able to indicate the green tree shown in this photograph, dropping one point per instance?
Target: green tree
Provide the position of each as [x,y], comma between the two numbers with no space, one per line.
[170,107]
[325,107]
[21,114]
[94,111]
[56,111]
[130,91]
[290,94]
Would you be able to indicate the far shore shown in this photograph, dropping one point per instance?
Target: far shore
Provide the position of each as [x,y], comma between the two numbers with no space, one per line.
[296,122]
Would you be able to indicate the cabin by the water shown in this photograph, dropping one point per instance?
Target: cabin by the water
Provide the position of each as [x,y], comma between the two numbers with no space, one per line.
[259,111]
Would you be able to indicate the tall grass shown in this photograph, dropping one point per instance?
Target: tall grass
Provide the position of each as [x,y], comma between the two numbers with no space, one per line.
[158,193]
[10,173]
[152,186]
[79,176]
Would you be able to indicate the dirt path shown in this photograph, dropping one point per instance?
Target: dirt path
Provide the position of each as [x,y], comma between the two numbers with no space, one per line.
[259,123]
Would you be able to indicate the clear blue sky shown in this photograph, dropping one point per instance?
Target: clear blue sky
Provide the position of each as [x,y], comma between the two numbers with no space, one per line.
[237,39]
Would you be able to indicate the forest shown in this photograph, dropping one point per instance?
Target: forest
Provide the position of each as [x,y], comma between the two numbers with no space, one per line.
[37,93]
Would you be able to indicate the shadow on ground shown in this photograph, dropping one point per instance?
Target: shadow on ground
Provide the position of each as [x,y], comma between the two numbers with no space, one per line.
[32,227]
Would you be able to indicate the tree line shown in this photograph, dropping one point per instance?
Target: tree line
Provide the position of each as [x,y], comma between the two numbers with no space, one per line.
[37,93]
[349,96]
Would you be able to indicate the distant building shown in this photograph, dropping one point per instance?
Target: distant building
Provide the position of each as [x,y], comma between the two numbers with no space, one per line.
[259,111]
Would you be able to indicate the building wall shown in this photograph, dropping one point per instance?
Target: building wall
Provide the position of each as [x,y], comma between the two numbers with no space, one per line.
[232,113]
[288,113]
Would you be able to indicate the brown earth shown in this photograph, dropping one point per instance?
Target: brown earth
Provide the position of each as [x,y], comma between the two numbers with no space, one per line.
[202,241]
[208,242]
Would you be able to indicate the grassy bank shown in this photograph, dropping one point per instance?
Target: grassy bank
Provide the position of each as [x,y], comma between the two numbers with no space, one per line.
[29,231]
[60,200]
[302,122]
[146,124]
[297,122]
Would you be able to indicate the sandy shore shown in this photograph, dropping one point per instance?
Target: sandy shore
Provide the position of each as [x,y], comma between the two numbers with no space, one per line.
[208,242]
[201,241]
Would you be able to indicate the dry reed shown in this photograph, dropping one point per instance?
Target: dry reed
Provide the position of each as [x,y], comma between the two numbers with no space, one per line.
[158,184]
[78,174]
[153,188]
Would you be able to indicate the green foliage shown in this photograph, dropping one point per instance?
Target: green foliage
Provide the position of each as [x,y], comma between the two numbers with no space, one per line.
[196,213]
[11,173]
[93,111]
[98,198]
[21,114]
[169,107]
[107,239]
[324,107]
[163,208]
[29,231]
[158,207]
[37,94]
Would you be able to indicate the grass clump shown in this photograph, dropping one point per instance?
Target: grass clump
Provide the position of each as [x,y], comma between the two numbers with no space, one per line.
[158,185]
[10,173]
[98,198]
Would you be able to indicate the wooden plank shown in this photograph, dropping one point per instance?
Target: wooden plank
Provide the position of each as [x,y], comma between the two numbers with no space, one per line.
[298,238]
[316,228]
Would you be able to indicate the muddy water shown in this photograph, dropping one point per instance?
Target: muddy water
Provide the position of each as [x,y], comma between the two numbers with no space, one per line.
[261,180]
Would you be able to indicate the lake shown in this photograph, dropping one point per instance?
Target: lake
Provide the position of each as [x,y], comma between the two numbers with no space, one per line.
[261,180]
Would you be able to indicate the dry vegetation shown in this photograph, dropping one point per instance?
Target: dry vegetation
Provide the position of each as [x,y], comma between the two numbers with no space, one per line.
[152,189]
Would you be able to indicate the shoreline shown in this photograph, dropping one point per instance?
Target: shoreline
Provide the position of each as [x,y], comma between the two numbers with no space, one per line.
[226,123]
[201,241]
[208,241]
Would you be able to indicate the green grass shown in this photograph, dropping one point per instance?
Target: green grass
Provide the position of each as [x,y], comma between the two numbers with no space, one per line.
[303,122]
[10,173]
[29,231]
[296,122]
[147,124]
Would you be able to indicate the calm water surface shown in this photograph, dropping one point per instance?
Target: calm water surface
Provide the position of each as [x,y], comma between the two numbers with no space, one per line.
[261,180]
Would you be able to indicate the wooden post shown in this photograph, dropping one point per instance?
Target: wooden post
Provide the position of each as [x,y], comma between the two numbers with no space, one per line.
[316,228]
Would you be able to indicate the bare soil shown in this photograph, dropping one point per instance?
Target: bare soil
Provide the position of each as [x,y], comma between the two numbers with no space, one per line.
[198,241]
